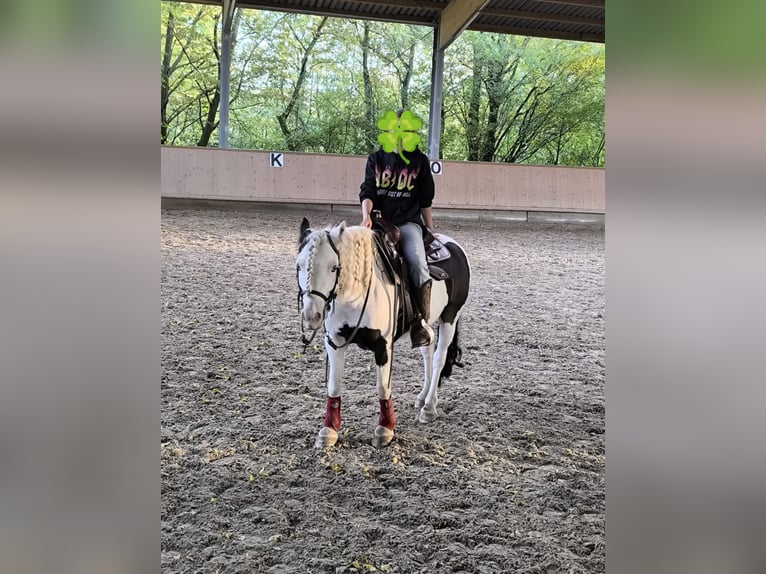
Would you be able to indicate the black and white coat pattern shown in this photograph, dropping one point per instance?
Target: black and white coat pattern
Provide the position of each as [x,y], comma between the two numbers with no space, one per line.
[343,286]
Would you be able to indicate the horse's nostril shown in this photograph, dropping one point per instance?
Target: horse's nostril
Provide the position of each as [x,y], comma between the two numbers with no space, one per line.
[316,317]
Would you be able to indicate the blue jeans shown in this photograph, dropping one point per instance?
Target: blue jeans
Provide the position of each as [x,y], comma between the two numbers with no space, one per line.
[411,243]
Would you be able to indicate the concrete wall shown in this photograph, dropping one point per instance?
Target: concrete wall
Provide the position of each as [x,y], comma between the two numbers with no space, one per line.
[215,174]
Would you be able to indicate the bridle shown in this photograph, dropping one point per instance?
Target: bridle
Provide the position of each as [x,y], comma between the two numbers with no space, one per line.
[328,299]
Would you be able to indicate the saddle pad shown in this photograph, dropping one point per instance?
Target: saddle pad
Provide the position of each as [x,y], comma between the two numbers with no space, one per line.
[450,266]
[438,250]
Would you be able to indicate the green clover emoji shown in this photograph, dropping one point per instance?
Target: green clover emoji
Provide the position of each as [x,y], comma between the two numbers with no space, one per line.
[399,132]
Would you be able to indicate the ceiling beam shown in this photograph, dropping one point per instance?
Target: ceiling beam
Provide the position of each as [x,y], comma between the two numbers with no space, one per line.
[588,3]
[529,15]
[456,17]
[326,11]
[437,7]
[422,4]
[539,33]
[432,5]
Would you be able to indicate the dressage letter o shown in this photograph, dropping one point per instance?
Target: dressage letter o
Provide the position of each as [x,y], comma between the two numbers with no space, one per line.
[436,167]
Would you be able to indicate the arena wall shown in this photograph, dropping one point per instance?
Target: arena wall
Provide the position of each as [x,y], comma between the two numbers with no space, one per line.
[242,175]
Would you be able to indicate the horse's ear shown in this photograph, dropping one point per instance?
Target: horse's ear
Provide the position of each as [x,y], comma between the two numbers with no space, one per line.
[305,230]
[337,231]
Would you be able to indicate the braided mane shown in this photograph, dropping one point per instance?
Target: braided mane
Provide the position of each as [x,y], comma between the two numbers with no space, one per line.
[356,262]
[356,256]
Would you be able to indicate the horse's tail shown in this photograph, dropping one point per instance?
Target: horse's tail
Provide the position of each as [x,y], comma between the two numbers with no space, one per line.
[454,355]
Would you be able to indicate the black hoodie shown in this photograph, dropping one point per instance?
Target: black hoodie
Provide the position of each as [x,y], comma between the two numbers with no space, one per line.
[398,190]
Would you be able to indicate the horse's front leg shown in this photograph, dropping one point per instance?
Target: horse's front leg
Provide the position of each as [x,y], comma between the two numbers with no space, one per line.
[328,434]
[384,432]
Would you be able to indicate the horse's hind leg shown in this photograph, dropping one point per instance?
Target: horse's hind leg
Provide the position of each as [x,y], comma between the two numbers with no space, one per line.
[328,434]
[428,357]
[384,432]
[446,333]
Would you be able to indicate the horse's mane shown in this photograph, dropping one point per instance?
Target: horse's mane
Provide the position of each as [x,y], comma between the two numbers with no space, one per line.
[356,256]
[356,262]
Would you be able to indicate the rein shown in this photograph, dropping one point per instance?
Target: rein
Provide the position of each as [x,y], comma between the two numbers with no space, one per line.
[356,328]
[329,300]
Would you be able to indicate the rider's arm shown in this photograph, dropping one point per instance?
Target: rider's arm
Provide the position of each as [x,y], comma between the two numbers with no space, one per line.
[366,210]
[426,192]
[368,191]
[426,213]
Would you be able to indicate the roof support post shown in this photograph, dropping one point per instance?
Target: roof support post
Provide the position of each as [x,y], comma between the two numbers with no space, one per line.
[223,113]
[435,111]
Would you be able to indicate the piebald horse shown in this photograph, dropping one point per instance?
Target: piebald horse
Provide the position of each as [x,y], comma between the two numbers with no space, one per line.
[343,284]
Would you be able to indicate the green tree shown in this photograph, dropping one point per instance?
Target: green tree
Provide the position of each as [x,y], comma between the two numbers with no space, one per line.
[187,70]
[306,83]
[519,99]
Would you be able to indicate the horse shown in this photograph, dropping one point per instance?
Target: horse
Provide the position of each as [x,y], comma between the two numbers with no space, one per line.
[344,285]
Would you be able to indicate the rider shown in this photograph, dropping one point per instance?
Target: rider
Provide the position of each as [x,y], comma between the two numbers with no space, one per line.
[403,193]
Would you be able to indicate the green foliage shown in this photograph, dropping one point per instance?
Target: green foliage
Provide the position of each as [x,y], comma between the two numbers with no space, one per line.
[189,73]
[524,100]
[507,98]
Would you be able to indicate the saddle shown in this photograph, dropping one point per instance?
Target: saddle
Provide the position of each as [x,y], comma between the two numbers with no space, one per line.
[435,244]
[441,265]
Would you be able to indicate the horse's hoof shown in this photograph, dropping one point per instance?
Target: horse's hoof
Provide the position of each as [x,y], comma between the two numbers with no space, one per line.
[419,403]
[426,416]
[382,437]
[326,437]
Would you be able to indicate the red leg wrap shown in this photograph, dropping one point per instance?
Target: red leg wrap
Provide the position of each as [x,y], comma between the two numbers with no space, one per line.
[387,417]
[332,413]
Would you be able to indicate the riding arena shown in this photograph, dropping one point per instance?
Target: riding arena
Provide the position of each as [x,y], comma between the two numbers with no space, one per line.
[506,476]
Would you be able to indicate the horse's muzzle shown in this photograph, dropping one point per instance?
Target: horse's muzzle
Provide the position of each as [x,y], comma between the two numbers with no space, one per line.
[314,321]
[312,315]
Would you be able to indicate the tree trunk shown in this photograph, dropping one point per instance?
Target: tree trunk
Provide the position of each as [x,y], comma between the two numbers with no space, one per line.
[211,123]
[167,72]
[472,131]
[404,89]
[495,97]
[369,112]
[285,114]
[597,156]
[494,100]
[167,54]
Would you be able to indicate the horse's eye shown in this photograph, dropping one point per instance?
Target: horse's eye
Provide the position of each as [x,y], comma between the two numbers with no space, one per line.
[334,268]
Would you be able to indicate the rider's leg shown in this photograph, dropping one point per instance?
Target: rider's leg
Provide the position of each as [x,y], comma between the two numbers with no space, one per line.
[415,254]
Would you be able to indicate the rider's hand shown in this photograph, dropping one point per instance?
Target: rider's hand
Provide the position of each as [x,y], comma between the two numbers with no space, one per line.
[367,222]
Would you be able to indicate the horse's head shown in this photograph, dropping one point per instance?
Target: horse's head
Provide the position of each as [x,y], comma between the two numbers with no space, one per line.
[318,271]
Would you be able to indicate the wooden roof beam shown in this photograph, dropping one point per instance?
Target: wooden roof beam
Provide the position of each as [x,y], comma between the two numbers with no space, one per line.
[423,4]
[529,15]
[588,3]
[324,11]
[455,18]
[539,33]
